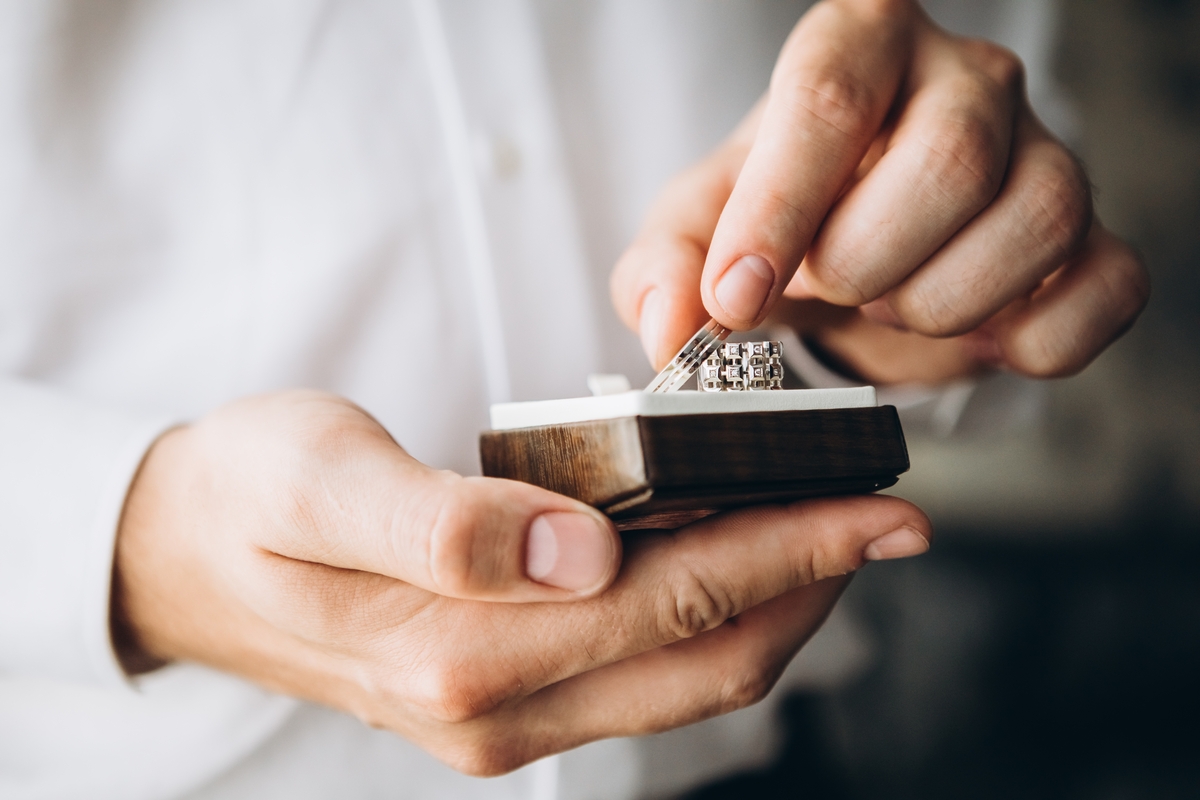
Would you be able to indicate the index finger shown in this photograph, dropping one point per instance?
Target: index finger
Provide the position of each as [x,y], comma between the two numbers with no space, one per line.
[679,585]
[835,80]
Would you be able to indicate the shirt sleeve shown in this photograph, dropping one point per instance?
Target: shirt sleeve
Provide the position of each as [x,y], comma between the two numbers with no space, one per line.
[997,402]
[65,468]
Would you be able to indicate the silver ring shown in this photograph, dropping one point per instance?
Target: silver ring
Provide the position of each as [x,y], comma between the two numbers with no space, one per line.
[742,367]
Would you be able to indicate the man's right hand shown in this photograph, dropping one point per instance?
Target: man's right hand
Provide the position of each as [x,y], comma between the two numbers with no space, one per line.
[288,539]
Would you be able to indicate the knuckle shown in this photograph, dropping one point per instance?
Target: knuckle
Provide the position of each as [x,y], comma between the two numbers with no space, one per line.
[319,436]
[747,687]
[1058,207]
[452,538]
[1001,65]
[964,158]
[1131,286]
[838,276]
[322,429]
[826,559]
[692,605]
[446,692]
[835,99]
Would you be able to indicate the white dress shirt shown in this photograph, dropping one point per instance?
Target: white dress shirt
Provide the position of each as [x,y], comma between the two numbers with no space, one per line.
[414,204]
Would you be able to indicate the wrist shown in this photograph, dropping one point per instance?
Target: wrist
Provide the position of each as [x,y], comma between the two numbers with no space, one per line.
[137,561]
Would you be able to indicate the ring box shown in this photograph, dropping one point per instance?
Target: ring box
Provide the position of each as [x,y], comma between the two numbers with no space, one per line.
[664,460]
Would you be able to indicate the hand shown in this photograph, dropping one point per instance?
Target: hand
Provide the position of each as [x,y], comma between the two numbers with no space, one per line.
[290,540]
[899,170]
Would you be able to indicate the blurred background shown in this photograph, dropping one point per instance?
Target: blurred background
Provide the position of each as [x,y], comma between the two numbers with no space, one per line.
[1049,645]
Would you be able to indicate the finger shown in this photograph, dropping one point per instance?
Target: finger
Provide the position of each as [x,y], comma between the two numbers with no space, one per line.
[728,668]
[1075,314]
[1034,225]
[875,352]
[360,502]
[672,587]
[655,284]
[944,163]
[716,569]
[831,89]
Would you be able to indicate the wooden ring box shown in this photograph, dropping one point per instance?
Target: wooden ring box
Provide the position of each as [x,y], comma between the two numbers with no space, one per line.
[664,460]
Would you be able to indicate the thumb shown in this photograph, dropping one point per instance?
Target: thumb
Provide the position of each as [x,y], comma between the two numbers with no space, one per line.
[492,539]
[470,538]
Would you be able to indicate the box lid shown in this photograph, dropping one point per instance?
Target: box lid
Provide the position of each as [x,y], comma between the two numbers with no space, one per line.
[509,416]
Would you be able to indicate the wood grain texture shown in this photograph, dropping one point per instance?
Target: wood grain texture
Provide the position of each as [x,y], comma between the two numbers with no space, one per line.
[597,462]
[669,470]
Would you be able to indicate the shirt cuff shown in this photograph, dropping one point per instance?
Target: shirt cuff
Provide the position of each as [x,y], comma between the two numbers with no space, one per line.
[935,410]
[65,468]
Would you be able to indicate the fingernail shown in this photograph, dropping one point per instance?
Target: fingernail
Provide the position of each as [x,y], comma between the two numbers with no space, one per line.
[650,324]
[901,543]
[568,550]
[744,287]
